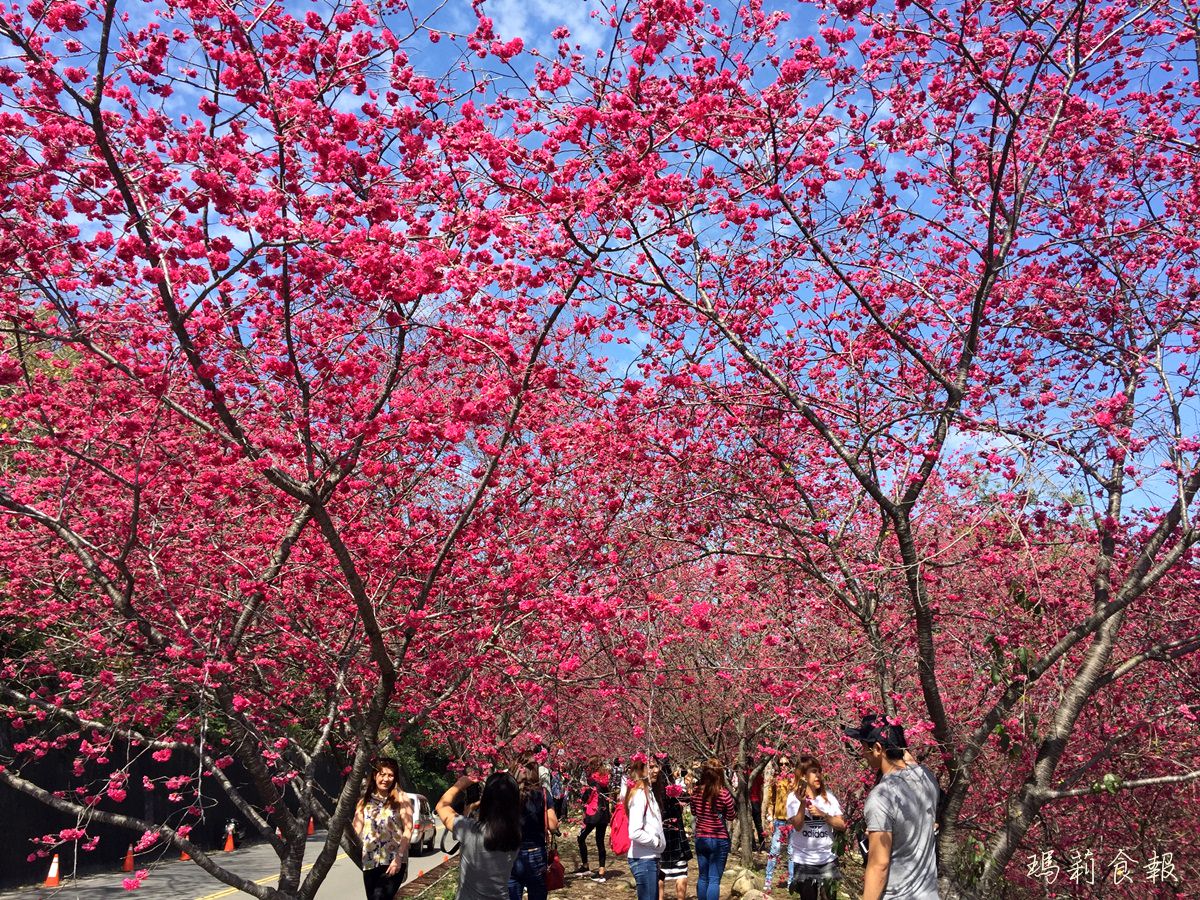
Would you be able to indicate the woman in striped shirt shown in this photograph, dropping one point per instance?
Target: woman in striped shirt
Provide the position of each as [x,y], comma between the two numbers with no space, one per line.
[712,805]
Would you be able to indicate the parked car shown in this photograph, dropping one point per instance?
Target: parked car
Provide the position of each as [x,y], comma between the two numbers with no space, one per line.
[424,826]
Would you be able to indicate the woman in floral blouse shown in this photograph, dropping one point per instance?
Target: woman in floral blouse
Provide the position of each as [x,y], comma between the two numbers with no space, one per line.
[383,822]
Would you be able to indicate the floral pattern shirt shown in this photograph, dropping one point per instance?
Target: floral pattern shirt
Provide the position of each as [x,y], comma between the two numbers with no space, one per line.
[382,834]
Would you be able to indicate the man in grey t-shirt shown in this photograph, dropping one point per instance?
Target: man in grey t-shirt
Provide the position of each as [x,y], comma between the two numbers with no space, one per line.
[899,814]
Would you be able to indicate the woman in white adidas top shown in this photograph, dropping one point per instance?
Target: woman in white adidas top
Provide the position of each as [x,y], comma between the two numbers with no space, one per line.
[814,814]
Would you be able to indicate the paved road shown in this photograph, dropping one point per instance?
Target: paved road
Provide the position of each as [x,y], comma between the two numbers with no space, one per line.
[172,879]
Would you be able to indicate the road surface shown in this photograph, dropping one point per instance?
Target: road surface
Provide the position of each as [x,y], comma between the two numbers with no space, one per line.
[172,879]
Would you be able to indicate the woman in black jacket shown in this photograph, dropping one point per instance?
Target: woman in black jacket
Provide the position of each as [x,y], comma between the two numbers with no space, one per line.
[597,813]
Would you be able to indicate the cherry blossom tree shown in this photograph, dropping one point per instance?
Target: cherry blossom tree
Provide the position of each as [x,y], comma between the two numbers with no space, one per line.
[911,237]
[311,436]
[282,391]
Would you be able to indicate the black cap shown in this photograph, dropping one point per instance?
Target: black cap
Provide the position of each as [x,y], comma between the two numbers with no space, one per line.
[875,729]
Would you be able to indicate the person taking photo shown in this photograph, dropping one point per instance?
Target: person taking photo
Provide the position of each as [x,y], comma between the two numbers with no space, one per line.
[489,840]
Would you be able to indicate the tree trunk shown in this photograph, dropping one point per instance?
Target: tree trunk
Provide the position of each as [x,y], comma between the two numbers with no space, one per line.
[1030,801]
[745,825]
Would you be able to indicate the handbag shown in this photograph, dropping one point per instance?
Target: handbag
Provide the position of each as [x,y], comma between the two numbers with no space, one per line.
[555,875]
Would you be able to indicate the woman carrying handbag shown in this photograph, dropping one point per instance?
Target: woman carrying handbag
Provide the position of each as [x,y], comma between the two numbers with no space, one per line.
[529,871]
[556,875]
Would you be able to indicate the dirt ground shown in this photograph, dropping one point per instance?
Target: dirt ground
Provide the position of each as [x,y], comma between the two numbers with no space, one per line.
[619,885]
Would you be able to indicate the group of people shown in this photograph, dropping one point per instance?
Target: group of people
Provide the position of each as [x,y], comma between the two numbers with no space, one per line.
[504,840]
[659,847]
[899,820]
[504,830]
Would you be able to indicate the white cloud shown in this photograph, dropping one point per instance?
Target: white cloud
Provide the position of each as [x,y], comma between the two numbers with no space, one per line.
[534,20]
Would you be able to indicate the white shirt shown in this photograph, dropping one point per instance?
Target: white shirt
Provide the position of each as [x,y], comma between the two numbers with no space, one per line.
[646,836]
[812,843]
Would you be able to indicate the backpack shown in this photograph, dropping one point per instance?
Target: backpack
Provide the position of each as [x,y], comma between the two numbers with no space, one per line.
[556,785]
[618,830]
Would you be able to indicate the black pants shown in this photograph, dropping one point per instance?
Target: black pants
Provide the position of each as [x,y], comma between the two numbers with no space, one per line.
[380,885]
[601,829]
[756,813]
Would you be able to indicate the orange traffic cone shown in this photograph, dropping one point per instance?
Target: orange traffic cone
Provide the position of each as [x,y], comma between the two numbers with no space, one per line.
[183,856]
[52,875]
[127,866]
[229,842]
[311,828]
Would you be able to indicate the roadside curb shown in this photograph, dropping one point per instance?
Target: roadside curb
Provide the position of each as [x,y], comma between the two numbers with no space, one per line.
[421,886]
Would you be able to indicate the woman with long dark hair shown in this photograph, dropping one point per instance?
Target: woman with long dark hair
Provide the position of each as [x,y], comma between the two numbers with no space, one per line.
[490,840]
[646,838]
[597,813]
[673,864]
[383,822]
[537,817]
[712,804]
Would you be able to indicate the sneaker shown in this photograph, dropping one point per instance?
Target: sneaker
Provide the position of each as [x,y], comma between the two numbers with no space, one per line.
[582,870]
[599,879]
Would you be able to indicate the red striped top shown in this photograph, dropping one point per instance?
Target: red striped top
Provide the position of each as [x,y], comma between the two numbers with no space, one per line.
[711,817]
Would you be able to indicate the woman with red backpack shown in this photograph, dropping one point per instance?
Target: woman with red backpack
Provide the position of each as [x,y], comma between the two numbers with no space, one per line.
[645,829]
[597,813]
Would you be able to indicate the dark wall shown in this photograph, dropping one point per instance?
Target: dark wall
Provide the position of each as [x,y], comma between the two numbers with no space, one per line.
[22,819]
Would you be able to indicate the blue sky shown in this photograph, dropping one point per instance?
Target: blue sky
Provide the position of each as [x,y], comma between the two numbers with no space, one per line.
[534,21]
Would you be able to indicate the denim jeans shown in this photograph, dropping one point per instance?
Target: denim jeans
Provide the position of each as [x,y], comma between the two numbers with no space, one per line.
[645,876]
[778,841]
[528,874]
[711,854]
